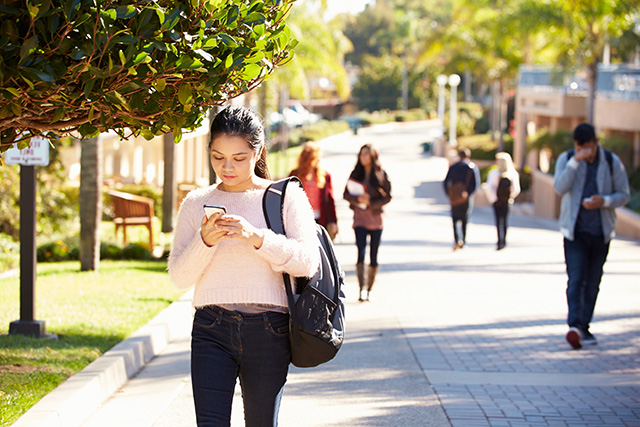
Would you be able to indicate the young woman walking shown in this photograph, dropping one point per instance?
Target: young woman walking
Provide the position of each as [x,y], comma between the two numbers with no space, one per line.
[367,191]
[240,328]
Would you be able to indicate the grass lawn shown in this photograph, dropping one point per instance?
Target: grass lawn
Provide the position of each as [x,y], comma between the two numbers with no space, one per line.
[90,312]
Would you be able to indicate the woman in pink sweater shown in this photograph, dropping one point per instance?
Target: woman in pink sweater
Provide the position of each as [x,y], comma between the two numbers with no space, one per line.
[240,327]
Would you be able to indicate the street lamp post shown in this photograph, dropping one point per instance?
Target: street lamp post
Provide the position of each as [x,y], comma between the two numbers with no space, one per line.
[442,82]
[454,81]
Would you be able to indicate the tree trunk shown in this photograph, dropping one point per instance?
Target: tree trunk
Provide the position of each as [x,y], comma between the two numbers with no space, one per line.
[405,83]
[494,115]
[467,86]
[90,203]
[592,76]
[170,184]
[502,114]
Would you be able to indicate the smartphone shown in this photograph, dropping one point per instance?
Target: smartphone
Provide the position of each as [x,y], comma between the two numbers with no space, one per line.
[211,209]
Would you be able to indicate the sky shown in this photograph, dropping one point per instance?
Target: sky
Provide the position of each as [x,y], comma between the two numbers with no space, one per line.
[335,7]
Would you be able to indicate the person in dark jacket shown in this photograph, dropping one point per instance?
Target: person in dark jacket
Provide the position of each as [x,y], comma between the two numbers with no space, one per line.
[463,174]
[367,191]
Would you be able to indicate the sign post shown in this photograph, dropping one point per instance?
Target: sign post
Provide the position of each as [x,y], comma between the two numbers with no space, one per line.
[37,154]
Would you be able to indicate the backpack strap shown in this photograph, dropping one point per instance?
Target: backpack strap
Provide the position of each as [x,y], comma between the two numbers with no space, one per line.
[607,155]
[272,207]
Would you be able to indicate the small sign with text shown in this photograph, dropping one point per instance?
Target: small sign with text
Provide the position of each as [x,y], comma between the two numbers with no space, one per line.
[36,154]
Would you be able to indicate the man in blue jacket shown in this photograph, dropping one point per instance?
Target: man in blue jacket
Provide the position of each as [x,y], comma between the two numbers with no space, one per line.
[592,182]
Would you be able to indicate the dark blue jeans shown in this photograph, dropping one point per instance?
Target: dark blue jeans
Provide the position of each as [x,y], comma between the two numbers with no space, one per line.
[460,215]
[585,256]
[361,244]
[226,345]
[501,213]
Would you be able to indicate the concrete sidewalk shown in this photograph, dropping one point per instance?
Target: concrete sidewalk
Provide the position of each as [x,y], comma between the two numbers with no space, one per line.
[465,338]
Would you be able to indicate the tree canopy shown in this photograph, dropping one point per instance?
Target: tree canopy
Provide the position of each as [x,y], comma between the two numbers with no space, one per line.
[131,66]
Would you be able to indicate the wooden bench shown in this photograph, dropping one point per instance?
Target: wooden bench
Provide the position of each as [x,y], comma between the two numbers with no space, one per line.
[130,210]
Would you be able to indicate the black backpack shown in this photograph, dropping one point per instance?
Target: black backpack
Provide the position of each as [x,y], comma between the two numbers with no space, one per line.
[504,191]
[316,312]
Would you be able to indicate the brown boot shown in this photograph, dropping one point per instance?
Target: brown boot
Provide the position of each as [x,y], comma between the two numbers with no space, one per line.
[361,279]
[371,278]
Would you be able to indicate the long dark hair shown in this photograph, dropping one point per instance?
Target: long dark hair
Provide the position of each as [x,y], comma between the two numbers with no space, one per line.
[377,176]
[243,122]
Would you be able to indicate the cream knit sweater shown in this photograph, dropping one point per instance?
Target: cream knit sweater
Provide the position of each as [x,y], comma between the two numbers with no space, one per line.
[233,272]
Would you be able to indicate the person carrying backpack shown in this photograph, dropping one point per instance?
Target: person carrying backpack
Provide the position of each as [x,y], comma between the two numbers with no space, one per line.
[236,264]
[462,180]
[593,183]
[503,186]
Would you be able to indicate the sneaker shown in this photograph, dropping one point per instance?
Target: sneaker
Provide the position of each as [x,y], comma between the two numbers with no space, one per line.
[574,338]
[589,339]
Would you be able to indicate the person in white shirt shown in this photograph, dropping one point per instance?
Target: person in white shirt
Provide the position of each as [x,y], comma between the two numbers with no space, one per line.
[503,186]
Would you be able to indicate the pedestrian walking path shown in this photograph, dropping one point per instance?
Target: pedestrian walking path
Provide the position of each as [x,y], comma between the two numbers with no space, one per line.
[467,338]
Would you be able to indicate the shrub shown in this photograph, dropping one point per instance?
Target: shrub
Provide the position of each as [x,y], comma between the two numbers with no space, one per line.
[56,203]
[9,253]
[622,147]
[136,251]
[53,251]
[483,148]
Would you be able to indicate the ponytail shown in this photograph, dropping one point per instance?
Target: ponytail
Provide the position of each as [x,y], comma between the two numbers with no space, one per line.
[261,169]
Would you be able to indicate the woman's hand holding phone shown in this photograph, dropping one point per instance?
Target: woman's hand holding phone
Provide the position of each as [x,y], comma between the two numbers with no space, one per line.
[210,233]
[217,226]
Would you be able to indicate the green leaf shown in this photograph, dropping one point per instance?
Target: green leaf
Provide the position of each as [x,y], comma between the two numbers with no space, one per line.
[33,10]
[228,40]
[78,53]
[58,114]
[184,94]
[147,134]
[160,14]
[140,57]
[12,91]
[171,19]
[123,59]
[250,72]
[255,18]
[126,12]
[16,109]
[210,42]
[229,61]
[160,85]
[108,16]
[87,131]
[232,15]
[43,75]
[28,47]
[71,7]
[256,57]
[177,134]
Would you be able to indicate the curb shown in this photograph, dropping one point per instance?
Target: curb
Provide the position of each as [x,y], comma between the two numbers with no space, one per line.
[83,393]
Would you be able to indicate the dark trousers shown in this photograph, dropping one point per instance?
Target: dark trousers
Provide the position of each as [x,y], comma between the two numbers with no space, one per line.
[361,243]
[501,213]
[227,345]
[585,257]
[459,215]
